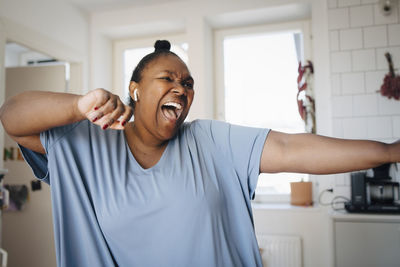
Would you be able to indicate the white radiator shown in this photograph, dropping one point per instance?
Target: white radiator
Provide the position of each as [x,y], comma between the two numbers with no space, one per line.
[280,251]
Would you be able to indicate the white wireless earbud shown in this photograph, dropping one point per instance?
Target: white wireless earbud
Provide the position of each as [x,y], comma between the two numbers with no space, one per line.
[135,95]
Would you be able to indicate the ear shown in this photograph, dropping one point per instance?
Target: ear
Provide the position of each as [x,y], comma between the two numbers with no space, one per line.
[132,86]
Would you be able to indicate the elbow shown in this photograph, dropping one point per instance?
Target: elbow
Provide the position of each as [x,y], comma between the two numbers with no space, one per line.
[393,152]
[3,112]
[5,116]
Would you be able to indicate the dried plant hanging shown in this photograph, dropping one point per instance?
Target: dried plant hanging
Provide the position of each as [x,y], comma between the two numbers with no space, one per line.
[305,96]
[391,83]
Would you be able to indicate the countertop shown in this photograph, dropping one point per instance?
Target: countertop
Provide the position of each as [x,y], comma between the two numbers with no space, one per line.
[359,217]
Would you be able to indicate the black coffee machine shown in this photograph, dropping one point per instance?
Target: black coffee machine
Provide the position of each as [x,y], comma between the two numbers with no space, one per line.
[377,194]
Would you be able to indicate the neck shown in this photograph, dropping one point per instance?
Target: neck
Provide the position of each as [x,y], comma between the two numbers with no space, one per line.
[146,149]
[142,139]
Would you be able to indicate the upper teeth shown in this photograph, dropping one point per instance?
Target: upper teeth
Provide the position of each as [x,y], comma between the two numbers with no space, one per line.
[173,104]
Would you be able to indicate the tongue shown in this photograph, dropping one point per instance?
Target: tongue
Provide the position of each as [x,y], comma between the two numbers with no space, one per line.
[170,113]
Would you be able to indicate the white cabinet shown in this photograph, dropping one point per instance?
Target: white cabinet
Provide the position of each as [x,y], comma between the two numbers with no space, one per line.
[367,240]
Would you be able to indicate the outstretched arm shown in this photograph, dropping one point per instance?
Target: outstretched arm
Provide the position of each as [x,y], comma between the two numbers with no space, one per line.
[315,154]
[26,115]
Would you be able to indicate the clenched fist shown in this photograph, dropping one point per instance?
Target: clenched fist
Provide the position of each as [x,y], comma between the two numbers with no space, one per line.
[104,109]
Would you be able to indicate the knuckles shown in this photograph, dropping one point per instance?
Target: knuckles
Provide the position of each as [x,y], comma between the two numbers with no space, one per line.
[109,104]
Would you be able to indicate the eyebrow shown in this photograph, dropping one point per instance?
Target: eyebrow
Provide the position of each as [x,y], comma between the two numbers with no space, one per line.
[186,79]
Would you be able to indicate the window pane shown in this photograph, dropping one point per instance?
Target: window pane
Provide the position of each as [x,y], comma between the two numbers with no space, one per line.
[260,74]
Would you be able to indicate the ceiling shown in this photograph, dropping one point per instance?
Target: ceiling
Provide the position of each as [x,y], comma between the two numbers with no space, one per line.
[98,5]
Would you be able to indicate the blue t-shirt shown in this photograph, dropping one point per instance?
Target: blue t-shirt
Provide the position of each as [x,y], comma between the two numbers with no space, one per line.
[193,208]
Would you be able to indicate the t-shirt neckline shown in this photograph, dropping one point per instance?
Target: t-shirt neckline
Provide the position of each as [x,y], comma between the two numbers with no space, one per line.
[133,159]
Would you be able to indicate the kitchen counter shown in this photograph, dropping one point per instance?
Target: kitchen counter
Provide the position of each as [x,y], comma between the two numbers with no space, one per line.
[366,239]
[363,217]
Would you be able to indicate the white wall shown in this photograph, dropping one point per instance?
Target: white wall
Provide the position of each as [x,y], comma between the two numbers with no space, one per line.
[12,59]
[313,225]
[359,37]
[52,18]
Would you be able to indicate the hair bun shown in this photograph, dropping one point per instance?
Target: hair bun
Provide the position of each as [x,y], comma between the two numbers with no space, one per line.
[162,45]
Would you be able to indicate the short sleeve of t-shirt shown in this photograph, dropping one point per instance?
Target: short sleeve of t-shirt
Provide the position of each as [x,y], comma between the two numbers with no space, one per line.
[37,161]
[243,145]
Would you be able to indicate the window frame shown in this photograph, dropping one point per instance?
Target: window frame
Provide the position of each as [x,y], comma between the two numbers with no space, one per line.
[119,47]
[301,26]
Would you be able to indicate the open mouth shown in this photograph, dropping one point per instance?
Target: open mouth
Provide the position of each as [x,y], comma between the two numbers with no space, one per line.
[172,110]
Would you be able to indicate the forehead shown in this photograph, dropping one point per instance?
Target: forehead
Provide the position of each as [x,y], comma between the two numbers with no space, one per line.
[169,63]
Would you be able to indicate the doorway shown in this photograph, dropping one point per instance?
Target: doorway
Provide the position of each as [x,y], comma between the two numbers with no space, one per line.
[27,228]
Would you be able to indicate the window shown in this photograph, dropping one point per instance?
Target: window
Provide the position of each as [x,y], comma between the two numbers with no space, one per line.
[258,73]
[128,53]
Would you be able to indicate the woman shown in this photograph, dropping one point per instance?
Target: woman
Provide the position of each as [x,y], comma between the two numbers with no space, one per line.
[157,191]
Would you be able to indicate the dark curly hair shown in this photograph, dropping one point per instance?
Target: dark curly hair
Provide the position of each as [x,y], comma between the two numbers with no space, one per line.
[161,47]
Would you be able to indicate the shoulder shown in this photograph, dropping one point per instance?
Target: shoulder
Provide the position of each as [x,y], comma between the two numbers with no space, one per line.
[81,127]
[73,133]
[55,134]
[65,129]
[205,127]
[221,130]
[211,134]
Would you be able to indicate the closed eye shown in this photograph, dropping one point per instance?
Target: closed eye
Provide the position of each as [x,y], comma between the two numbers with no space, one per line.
[188,85]
[166,78]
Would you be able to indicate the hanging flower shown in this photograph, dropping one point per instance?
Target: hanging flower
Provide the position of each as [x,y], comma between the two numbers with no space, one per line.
[391,83]
[305,96]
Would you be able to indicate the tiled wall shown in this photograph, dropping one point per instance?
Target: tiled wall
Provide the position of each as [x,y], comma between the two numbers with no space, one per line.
[359,37]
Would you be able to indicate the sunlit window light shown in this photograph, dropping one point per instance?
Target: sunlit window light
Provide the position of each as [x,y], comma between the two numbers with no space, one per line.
[260,75]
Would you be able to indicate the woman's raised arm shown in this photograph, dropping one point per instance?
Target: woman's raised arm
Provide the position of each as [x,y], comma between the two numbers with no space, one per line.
[315,154]
[26,115]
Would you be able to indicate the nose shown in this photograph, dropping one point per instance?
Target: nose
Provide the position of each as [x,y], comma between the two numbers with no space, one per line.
[179,89]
